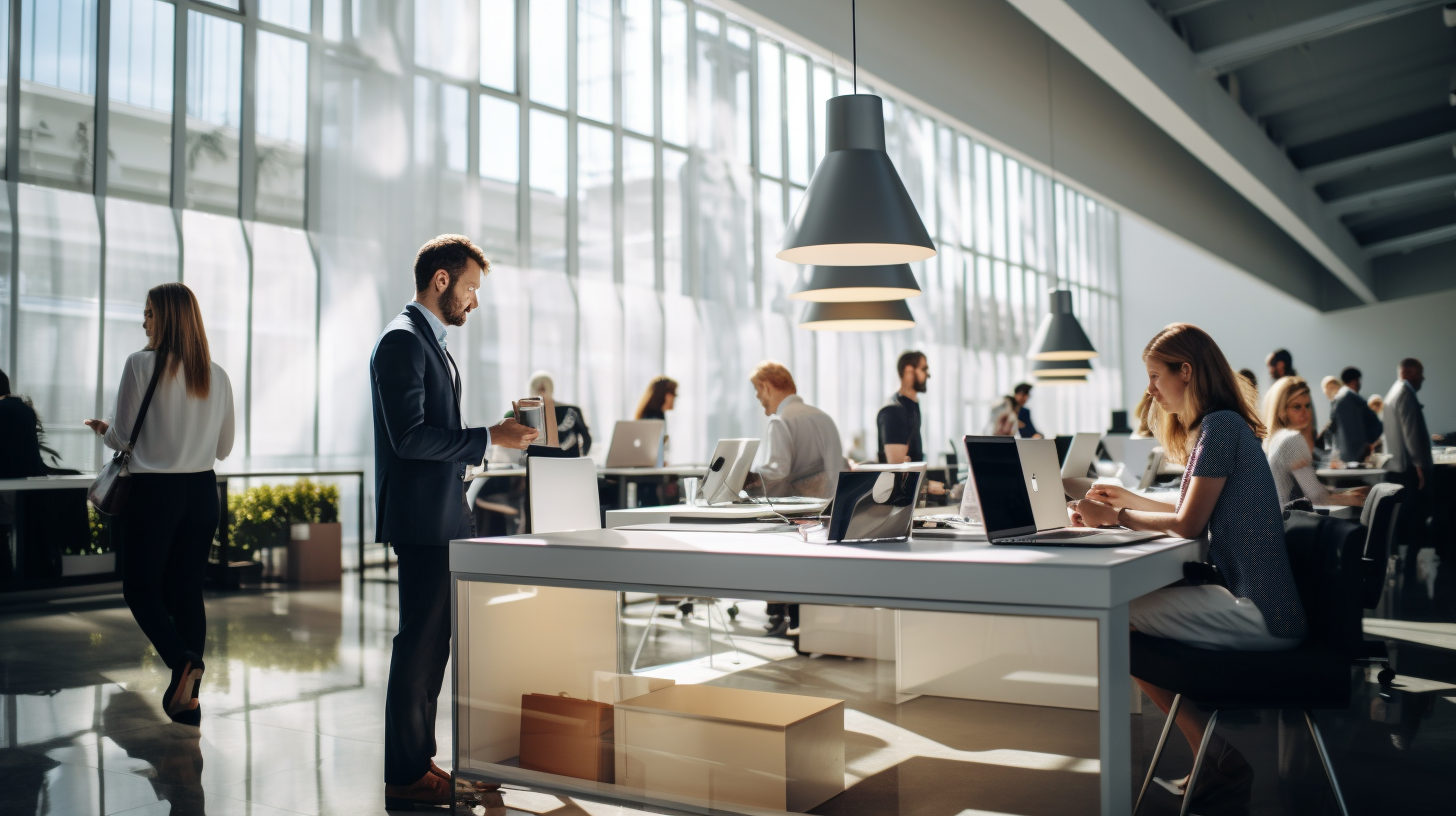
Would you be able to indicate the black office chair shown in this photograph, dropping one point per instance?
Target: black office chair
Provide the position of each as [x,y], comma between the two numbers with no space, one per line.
[1380,517]
[1325,555]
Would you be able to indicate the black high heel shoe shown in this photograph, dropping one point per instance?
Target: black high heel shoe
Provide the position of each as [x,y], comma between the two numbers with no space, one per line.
[187,711]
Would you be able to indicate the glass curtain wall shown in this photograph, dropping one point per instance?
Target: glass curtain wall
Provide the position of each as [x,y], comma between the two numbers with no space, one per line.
[155,141]
[628,165]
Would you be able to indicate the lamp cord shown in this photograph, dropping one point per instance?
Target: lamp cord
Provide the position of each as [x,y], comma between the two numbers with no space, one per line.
[1055,268]
[854,42]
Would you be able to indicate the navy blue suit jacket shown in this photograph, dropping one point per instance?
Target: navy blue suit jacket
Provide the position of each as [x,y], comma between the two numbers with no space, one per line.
[420,450]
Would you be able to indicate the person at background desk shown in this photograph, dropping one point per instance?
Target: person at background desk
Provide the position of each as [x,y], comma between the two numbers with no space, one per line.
[422,454]
[1407,439]
[1357,428]
[19,436]
[1289,416]
[1204,416]
[1012,417]
[899,420]
[801,452]
[567,422]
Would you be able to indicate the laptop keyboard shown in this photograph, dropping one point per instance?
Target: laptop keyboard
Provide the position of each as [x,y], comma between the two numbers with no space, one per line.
[1057,535]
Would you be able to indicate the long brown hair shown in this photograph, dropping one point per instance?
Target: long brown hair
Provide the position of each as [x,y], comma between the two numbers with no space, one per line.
[1212,387]
[178,336]
[656,395]
[1276,402]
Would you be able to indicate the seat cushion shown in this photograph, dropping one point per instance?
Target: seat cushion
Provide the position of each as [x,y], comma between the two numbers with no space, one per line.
[1304,677]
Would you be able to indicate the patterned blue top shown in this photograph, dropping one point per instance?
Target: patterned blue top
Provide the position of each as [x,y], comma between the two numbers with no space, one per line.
[1246,530]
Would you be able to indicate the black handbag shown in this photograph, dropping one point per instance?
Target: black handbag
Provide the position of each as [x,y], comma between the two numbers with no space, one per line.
[108,493]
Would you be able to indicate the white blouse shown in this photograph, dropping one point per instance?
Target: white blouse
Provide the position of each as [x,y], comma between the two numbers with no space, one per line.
[181,434]
[1286,449]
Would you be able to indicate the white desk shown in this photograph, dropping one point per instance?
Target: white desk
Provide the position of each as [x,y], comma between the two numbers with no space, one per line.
[667,513]
[48,482]
[1369,475]
[947,576]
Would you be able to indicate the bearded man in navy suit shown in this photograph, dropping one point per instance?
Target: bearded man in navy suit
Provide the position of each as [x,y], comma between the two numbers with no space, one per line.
[423,454]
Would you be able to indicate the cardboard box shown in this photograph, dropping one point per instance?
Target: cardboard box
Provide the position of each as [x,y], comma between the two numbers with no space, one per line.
[713,746]
[566,736]
[315,553]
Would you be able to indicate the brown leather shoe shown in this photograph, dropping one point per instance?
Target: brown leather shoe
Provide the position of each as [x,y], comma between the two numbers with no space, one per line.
[427,791]
[479,787]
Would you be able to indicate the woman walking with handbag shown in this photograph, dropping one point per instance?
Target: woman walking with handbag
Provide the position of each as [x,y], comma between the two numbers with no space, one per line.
[174,416]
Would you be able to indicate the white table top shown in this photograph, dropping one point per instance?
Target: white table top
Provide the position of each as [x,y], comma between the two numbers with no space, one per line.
[670,470]
[920,569]
[1368,474]
[48,482]
[664,514]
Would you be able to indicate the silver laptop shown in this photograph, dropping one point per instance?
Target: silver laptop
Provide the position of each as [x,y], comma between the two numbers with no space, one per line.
[636,443]
[1080,455]
[1150,470]
[1132,453]
[1021,499]
[727,471]
[875,506]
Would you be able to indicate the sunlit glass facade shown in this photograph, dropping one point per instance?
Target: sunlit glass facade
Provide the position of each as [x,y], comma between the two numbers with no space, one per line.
[628,166]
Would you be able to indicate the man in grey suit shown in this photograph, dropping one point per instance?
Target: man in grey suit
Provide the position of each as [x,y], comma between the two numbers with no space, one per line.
[1356,427]
[1408,441]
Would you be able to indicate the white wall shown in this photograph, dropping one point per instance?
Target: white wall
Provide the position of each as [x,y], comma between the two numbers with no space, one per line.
[1167,280]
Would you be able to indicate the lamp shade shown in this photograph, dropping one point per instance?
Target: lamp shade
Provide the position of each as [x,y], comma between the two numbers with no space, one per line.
[880,315]
[1060,336]
[856,284]
[1049,369]
[856,211]
[1040,381]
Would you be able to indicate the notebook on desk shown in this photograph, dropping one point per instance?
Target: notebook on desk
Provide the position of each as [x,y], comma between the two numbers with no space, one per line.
[1019,488]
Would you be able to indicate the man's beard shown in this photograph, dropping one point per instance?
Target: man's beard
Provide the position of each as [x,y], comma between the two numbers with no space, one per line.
[920,385]
[452,308]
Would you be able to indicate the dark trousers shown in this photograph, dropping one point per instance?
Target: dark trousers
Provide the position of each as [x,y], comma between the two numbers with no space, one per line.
[166,532]
[417,667]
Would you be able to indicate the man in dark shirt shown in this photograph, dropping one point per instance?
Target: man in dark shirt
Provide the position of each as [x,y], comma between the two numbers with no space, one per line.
[899,421]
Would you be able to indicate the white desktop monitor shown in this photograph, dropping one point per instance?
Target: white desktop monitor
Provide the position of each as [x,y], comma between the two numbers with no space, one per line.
[727,470]
[636,443]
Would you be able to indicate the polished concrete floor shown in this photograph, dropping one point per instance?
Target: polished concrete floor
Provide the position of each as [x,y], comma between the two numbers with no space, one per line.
[294,695]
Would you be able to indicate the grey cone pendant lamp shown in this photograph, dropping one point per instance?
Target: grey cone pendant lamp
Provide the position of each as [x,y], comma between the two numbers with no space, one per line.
[884,315]
[1060,336]
[1061,372]
[856,284]
[856,211]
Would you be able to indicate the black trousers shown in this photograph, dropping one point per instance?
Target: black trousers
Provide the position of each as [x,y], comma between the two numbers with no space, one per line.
[166,532]
[417,666]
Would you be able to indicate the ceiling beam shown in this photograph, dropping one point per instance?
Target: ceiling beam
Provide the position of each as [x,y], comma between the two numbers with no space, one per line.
[1415,240]
[1188,7]
[1131,48]
[1229,56]
[1394,195]
[1321,173]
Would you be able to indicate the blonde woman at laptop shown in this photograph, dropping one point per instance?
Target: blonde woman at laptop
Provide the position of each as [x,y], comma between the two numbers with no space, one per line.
[1204,415]
[1289,415]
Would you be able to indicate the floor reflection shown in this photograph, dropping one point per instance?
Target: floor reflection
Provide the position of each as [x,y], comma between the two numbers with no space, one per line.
[294,699]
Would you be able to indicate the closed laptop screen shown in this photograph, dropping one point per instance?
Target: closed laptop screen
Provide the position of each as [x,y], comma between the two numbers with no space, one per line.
[873,505]
[999,485]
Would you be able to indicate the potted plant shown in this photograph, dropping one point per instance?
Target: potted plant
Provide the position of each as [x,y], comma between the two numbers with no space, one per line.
[96,556]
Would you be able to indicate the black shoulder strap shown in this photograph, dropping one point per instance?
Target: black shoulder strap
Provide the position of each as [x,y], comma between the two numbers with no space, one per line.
[146,402]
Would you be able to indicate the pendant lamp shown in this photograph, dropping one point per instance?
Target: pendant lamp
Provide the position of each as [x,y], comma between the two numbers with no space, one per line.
[883,315]
[856,284]
[856,211]
[1056,369]
[1041,381]
[1060,336]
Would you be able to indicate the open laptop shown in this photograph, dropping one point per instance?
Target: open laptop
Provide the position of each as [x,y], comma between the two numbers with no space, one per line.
[636,443]
[1080,455]
[727,471]
[875,506]
[1022,501]
[1132,453]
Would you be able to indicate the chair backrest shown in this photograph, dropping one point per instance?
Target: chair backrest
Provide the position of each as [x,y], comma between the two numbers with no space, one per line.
[1324,554]
[562,494]
[1381,514]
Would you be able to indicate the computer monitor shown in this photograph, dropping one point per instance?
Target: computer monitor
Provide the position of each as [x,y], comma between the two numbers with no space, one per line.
[636,443]
[876,505]
[727,470]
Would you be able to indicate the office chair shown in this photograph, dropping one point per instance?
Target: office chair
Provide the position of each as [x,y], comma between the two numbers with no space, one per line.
[1325,556]
[1380,517]
[562,494]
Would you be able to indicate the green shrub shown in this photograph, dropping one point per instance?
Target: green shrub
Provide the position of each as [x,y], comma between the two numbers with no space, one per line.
[259,516]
